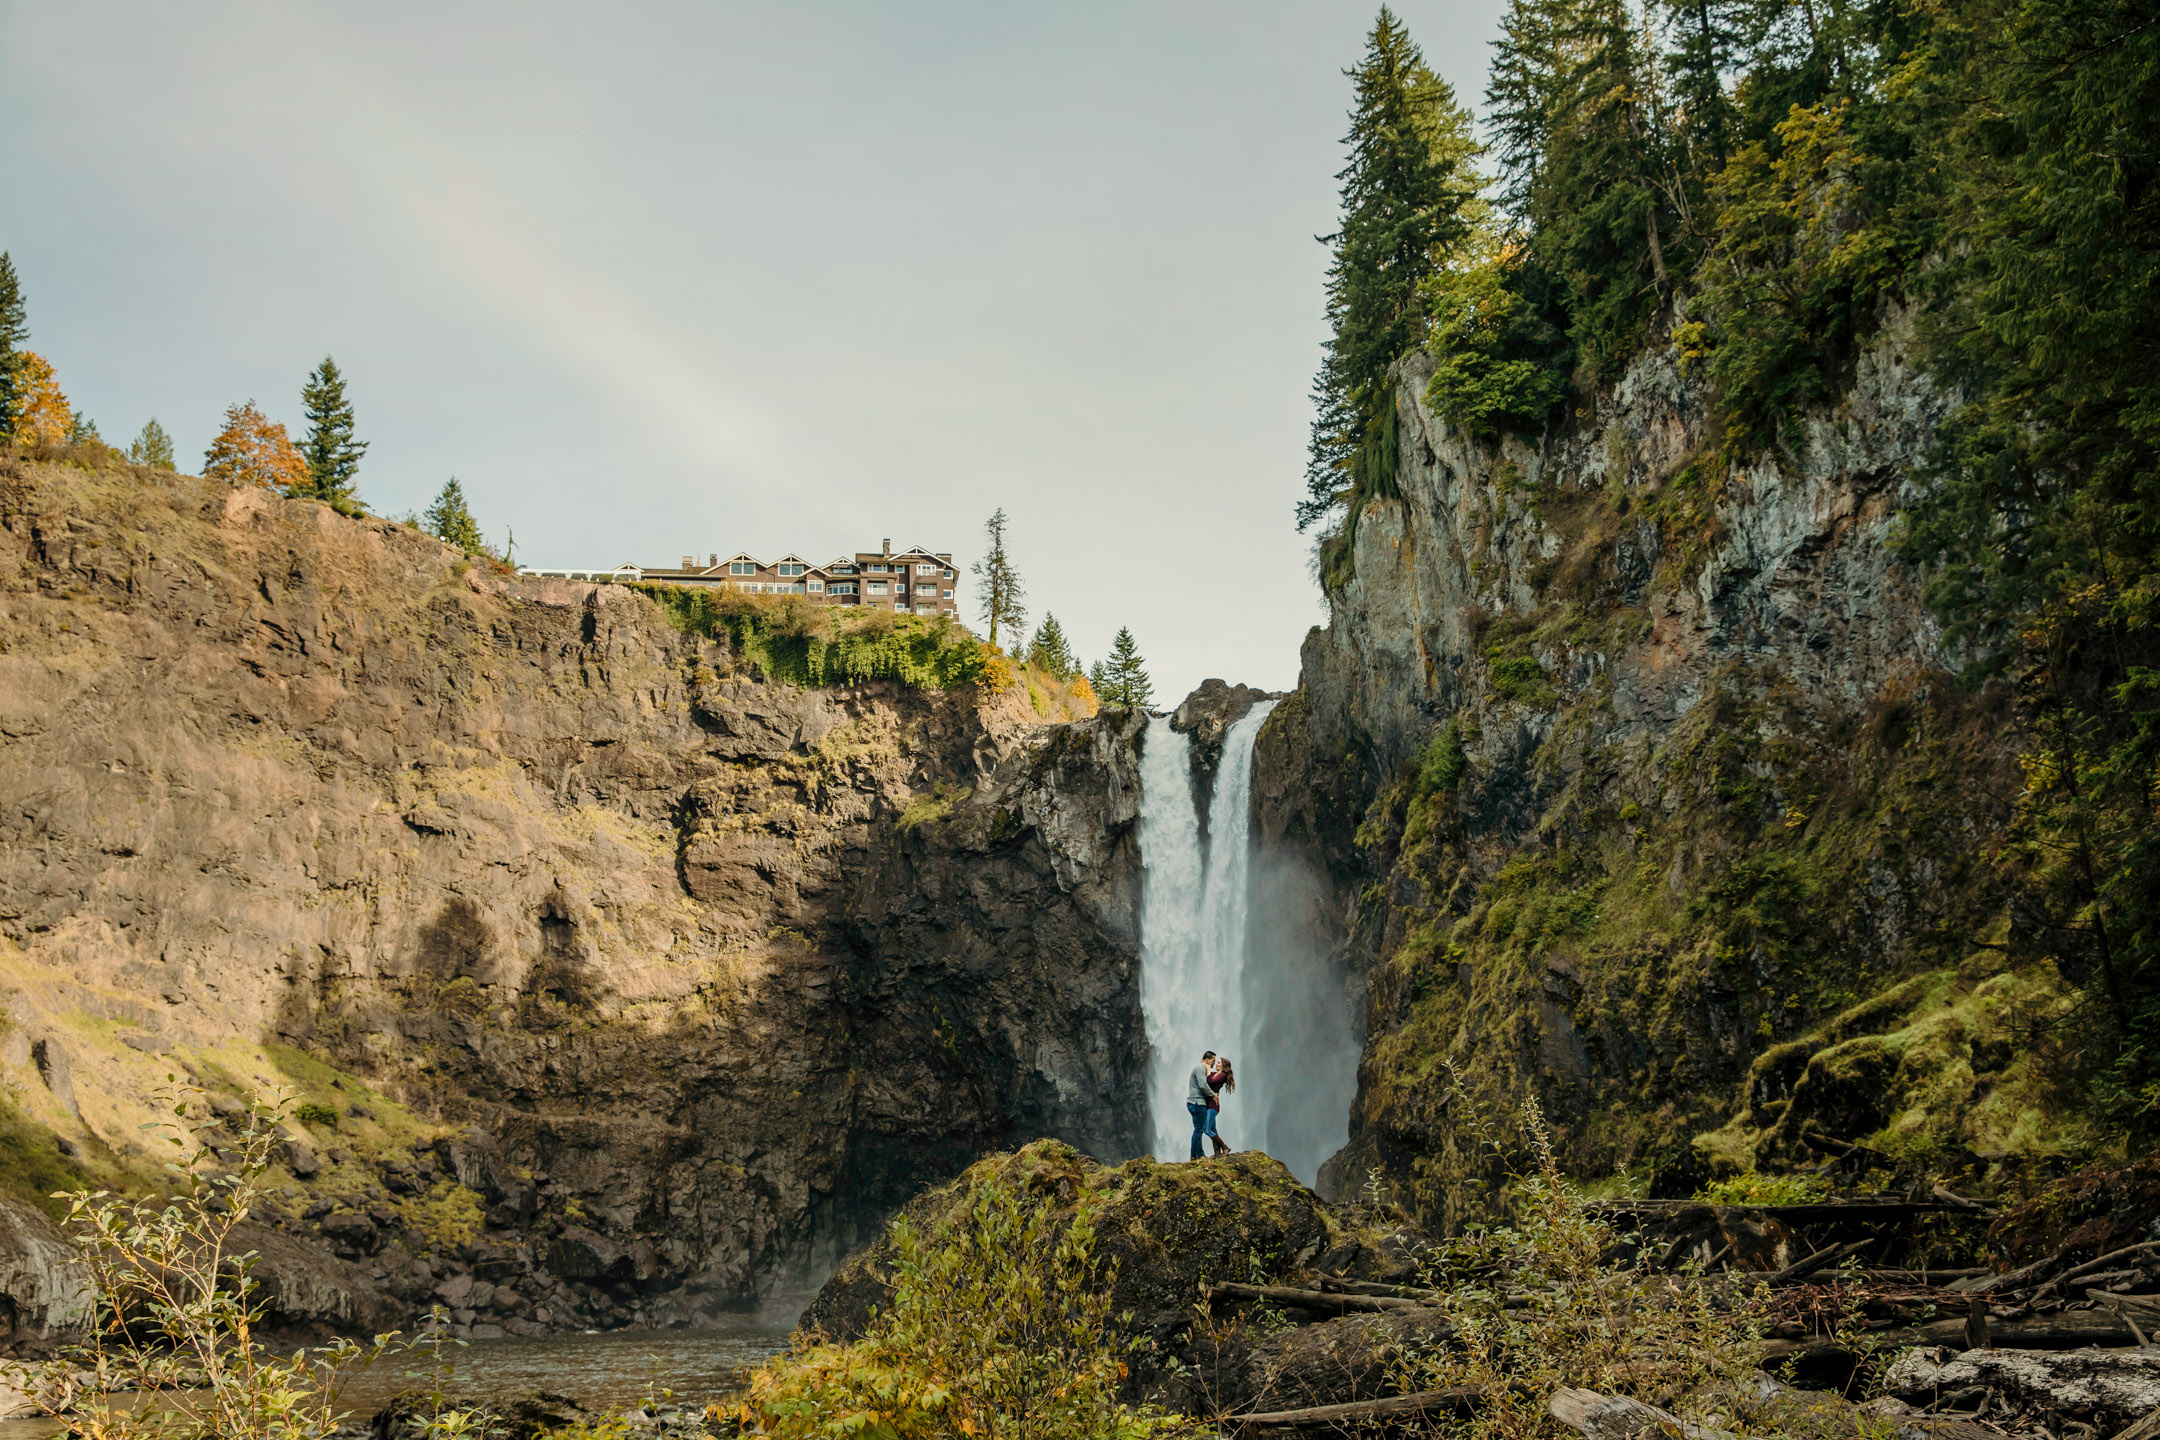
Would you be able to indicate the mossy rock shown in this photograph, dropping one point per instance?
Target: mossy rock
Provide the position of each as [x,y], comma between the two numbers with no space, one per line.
[1168,1231]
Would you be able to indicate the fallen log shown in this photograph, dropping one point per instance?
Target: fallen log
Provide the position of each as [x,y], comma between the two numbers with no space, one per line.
[2107,1388]
[2065,1330]
[1456,1400]
[1380,1289]
[1331,1301]
[1863,1207]
[2032,1274]
[1829,1255]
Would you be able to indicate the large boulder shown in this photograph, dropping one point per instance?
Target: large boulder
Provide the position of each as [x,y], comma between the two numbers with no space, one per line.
[1166,1231]
[45,1292]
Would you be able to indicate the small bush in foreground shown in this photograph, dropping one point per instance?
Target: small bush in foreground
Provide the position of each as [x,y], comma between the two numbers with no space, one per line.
[999,1329]
[176,1307]
[1543,1305]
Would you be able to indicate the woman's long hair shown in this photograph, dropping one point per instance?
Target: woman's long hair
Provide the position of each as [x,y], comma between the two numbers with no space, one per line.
[1229,1080]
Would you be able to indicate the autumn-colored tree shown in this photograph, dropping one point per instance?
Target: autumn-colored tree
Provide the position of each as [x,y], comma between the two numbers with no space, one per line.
[42,415]
[253,450]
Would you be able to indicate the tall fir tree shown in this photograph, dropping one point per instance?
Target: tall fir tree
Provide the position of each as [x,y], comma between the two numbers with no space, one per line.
[81,428]
[1122,679]
[331,452]
[1049,652]
[1001,598]
[1405,194]
[1572,97]
[450,519]
[14,330]
[153,447]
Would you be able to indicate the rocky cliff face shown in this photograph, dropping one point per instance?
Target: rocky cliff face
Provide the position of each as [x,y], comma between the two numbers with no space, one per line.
[620,985]
[1640,785]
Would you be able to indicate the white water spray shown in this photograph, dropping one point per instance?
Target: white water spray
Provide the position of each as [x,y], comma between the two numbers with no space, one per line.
[1204,984]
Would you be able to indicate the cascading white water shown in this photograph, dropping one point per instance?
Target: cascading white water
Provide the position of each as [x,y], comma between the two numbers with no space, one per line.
[1199,986]
[1173,992]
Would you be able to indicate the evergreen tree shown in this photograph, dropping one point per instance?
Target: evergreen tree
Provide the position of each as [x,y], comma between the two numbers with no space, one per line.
[13,332]
[1405,194]
[153,447]
[1002,598]
[331,453]
[450,519]
[1572,101]
[1122,680]
[81,428]
[1048,651]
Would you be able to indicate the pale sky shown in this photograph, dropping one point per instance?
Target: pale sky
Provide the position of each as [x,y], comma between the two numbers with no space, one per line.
[655,279]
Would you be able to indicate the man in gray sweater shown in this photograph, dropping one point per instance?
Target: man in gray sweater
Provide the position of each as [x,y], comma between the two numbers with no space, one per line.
[1197,1096]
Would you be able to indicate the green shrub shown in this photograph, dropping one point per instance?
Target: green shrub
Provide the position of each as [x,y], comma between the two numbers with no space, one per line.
[999,1329]
[1751,1188]
[1566,1317]
[789,639]
[177,1306]
[1518,677]
[311,1112]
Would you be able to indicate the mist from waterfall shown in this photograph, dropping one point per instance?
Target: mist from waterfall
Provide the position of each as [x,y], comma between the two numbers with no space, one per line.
[1279,1013]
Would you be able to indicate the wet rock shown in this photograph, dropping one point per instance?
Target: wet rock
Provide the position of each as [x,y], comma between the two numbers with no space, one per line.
[45,1292]
[582,1254]
[309,1294]
[2104,1388]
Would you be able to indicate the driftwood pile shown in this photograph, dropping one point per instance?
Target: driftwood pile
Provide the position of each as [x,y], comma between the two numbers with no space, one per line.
[1979,1355]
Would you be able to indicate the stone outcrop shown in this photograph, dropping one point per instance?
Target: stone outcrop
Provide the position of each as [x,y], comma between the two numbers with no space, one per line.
[45,1290]
[621,985]
[1622,764]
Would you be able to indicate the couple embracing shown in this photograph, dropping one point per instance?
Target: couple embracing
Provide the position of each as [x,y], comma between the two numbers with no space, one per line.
[1211,1078]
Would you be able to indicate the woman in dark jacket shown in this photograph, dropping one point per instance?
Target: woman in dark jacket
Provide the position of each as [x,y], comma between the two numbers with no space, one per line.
[1220,1078]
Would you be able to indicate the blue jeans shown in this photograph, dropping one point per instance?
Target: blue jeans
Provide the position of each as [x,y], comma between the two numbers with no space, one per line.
[1203,1123]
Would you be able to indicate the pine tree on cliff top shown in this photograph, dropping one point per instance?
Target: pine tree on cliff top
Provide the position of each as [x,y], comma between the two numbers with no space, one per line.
[1049,652]
[1002,600]
[1404,193]
[332,455]
[153,447]
[13,331]
[1122,679]
[451,519]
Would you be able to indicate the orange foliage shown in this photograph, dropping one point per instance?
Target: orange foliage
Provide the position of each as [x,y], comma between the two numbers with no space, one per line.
[45,414]
[251,450]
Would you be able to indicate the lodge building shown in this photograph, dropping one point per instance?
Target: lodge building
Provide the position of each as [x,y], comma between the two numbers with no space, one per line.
[922,581]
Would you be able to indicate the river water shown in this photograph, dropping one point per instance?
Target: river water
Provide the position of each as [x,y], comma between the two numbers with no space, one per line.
[612,1371]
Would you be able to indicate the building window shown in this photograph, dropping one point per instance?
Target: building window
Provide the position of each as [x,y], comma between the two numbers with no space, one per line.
[948,594]
[742,567]
[877,569]
[817,587]
[793,569]
[842,587]
[843,570]
[877,587]
[950,575]
[926,569]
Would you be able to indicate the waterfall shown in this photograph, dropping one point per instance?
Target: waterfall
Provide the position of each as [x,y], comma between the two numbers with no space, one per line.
[1279,1014]
[1173,991]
